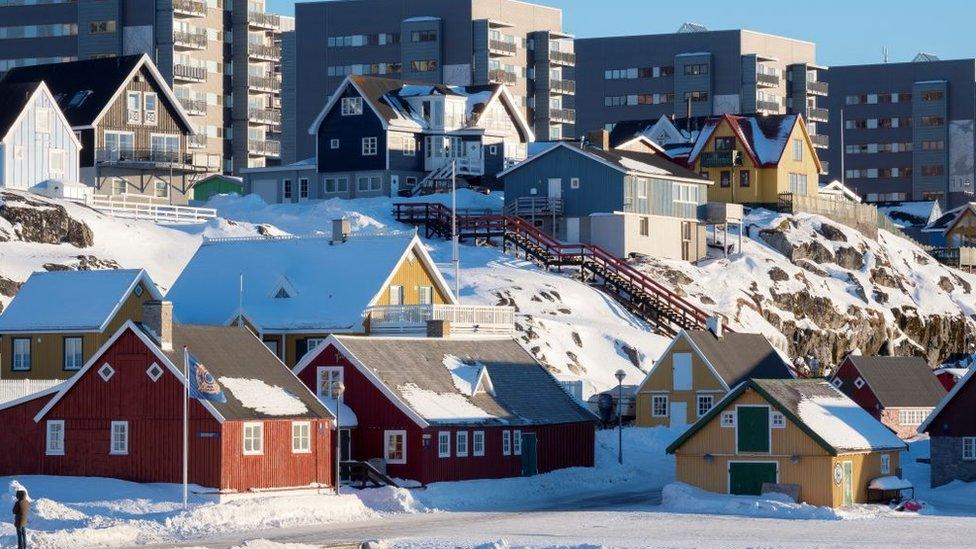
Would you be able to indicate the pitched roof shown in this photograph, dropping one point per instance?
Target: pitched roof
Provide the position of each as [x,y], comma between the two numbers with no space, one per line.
[739,356]
[832,420]
[956,389]
[763,137]
[13,99]
[93,298]
[900,381]
[913,213]
[325,287]
[417,372]
[948,219]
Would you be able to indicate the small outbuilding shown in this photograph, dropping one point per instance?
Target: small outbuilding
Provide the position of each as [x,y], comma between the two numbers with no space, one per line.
[797,436]
[215,184]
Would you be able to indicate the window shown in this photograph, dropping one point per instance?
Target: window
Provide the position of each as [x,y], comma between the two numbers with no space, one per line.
[724,143]
[409,146]
[106,372]
[696,96]
[333,143]
[506,443]
[725,178]
[150,108]
[56,161]
[885,464]
[253,438]
[303,188]
[912,417]
[423,36]
[696,69]
[155,371]
[21,356]
[859,382]
[493,149]
[461,446]
[120,438]
[517,442]
[338,185]
[932,121]
[574,183]
[705,403]
[365,184]
[55,438]
[272,345]
[933,170]
[645,226]
[837,382]
[301,437]
[744,178]
[42,121]
[396,294]
[933,95]
[327,379]
[101,27]
[798,150]
[427,65]
[395,446]
[133,102]
[659,405]
[119,145]
[728,419]
[286,189]
[444,444]
[969,448]
[161,188]
[426,295]
[369,146]
[933,145]
[72,353]
[312,343]
[478,443]
[798,183]
[777,420]
[352,106]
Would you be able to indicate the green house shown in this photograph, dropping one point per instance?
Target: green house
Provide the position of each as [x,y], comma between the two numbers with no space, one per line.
[217,184]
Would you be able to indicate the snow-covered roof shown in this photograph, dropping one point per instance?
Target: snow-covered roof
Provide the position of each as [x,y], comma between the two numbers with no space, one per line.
[837,188]
[949,218]
[292,283]
[270,400]
[889,482]
[763,137]
[75,301]
[917,213]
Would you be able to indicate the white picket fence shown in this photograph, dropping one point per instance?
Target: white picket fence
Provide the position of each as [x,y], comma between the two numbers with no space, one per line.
[12,389]
[165,214]
[464,319]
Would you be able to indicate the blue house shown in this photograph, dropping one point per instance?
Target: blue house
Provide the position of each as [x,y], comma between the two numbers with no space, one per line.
[630,199]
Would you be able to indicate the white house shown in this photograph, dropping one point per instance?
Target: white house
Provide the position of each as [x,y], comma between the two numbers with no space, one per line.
[37,143]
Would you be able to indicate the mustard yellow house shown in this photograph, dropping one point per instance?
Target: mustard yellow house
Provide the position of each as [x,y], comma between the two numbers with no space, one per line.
[800,434]
[753,159]
[697,369]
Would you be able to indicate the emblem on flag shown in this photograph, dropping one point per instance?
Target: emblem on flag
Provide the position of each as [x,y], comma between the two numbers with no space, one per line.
[203,385]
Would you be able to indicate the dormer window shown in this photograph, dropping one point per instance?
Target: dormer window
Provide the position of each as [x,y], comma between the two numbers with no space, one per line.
[283,289]
[282,293]
[352,106]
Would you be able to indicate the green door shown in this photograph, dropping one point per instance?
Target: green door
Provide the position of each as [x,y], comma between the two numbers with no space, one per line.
[746,479]
[752,426]
[848,483]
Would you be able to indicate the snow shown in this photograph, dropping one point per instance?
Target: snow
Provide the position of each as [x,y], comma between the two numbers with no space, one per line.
[682,498]
[769,149]
[347,418]
[257,395]
[889,483]
[845,425]
[638,166]
[921,213]
[467,377]
[443,407]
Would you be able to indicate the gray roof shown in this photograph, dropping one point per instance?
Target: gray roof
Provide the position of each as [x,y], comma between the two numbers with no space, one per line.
[738,357]
[524,391]
[900,381]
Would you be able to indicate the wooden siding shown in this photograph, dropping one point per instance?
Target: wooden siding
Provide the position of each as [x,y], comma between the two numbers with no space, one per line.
[661,198]
[660,381]
[47,349]
[958,417]
[21,433]
[278,466]
[350,131]
[412,274]
[864,397]
[866,467]
[33,165]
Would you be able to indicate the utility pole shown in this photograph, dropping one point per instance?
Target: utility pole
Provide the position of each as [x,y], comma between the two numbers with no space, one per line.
[454,233]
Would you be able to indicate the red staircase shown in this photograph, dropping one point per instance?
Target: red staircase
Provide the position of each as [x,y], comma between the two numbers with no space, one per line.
[664,310]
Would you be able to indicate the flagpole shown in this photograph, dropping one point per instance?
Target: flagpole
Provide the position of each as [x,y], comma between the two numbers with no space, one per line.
[186,428]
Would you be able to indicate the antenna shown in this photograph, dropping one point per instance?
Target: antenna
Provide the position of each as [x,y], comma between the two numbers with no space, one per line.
[884,53]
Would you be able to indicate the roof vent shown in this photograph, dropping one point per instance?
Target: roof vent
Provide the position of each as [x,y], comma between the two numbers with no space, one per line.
[340,230]
[923,57]
[692,27]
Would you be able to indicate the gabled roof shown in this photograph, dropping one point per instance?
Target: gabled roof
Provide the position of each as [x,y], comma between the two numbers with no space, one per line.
[899,381]
[415,374]
[836,187]
[920,213]
[832,420]
[14,98]
[256,384]
[329,285]
[86,89]
[949,219]
[764,137]
[946,400]
[72,301]
[739,356]
[626,162]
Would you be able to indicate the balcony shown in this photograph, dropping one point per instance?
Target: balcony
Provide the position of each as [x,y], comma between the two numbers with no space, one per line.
[144,158]
[196,141]
[259,147]
[261,20]
[265,84]
[500,48]
[817,88]
[194,107]
[499,76]
[464,319]
[562,116]
[820,141]
[562,58]
[562,87]
[189,8]
[764,80]
[721,159]
[815,114]
[763,105]
[190,40]
[264,116]
[186,73]
[264,52]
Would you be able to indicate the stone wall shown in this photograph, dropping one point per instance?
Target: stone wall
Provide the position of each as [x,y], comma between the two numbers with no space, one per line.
[947,462]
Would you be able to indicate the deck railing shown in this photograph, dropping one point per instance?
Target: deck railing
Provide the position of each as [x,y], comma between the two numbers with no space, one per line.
[464,319]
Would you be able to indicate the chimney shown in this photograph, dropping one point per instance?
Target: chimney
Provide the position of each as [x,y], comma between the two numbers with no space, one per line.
[340,230]
[157,317]
[714,325]
[599,138]
[438,328]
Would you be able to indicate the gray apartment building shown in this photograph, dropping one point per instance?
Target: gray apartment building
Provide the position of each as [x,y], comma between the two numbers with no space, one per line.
[697,70]
[454,42]
[904,131]
[220,57]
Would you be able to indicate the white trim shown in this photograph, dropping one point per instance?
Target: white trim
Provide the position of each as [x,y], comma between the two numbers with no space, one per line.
[502,92]
[319,370]
[728,472]
[722,416]
[885,464]
[106,372]
[244,428]
[769,427]
[461,450]
[506,442]
[32,396]
[160,81]
[386,446]
[447,436]
[773,416]
[54,106]
[308,437]
[517,442]
[111,439]
[945,400]
[426,260]
[696,349]
[667,404]
[647,141]
[47,438]
[157,368]
[314,128]
[475,435]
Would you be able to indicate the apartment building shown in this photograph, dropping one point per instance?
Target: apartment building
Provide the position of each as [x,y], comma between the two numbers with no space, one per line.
[220,57]
[904,131]
[453,42]
[696,72]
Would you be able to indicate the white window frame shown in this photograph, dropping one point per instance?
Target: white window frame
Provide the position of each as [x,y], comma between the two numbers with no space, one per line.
[837,382]
[319,370]
[123,449]
[250,426]
[859,382]
[301,443]
[461,444]
[150,117]
[777,420]
[133,115]
[352,106]
[517,442]
[387,436]
[885,464]
[16,364]
[75,365]
[478,443]
[912,416]
[698,404]
[369,146]
[60,155]
[154,371]
[397,291]
[409,146]
[303,188]
[971,454]
[574,183]
[333,143]
[42,120]
[58,449]
[443,444]
[287,192]
[728,420]
[654,400]
[425,295]
[798,150]
[506,443]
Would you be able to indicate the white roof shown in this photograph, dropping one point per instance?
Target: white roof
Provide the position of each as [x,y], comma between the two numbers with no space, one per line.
[328,285]
[845,425]
[347,418]
[75,301]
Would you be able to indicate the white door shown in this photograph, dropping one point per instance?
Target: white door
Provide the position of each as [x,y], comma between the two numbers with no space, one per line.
[679,414]
[572,230]
[555,188]
[394,186]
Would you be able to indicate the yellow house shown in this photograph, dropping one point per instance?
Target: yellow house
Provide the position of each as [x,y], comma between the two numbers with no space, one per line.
[800,434]
[697,369]
[295,291]
[59,319]
[753,159]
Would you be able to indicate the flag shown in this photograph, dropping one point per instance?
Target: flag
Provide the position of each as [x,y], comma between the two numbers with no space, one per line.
[203,386]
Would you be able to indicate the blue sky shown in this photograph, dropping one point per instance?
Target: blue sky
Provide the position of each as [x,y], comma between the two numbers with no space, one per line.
[943,27]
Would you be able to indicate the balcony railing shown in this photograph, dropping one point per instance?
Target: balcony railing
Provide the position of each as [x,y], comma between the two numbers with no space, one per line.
[502,48]
[143,156]
[767,80]
[190,40]
[198,141]
[261,147]
[721,159]
[815,114]
[768,106]
[264,116]
[566,116]
[565,87]
[269,84]
[194,107]
[261,20]
[817,88]
[820,141]
[264,52]
[186,73]
[190,8]
[502,77]
[562,58]
[464,319]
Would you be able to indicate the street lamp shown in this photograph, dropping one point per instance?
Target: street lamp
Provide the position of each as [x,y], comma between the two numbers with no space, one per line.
[620,375]
[338,389]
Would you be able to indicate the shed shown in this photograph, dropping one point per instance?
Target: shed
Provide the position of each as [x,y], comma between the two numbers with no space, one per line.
[215,184]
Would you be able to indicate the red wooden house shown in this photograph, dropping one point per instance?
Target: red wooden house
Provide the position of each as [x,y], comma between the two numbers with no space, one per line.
[949,376]
[900,391]
[952,434]
[447,409]
[121,415]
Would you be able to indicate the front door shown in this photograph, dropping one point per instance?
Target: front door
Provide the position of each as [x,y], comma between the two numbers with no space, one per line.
[394,186]
[848,483]
[752,429]
[679,414]
[530,459]
[747,478]
[572,230]
[555,188]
